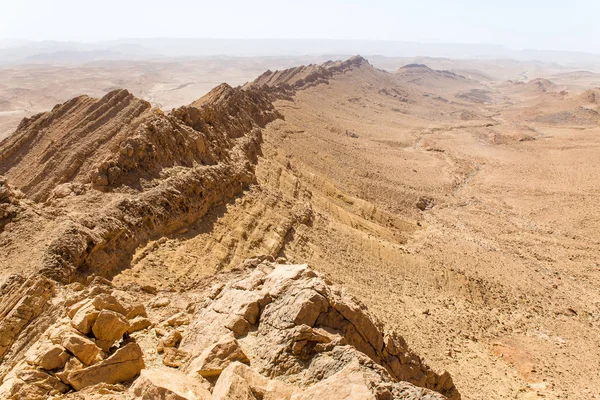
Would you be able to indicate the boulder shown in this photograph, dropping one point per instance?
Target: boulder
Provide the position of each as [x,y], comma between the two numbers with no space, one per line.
[233,387]
[81,347]
[72,365]
[174,358]
[168,385]
[216,358]
[123,365]
[138,323]
[355,382]
[172,339]
[50,357]
[178,320]
[109,302]
[24,301]
[31,384]
[136,310]
[84,318]
[108,328]
[240,381]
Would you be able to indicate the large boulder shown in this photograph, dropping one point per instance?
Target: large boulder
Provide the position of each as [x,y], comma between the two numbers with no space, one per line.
[50,357]
[125,364]
[82,348]
[84,317]
[109,327]
[239,381]
[217,357]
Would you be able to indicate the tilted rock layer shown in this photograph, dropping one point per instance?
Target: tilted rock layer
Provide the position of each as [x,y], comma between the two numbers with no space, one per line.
[88,184]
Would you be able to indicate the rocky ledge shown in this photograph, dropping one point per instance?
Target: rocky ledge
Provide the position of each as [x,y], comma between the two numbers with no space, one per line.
[264,331]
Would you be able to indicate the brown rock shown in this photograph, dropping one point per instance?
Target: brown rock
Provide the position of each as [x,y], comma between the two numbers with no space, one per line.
[50,357]
[122,366]
[31,384]
[109,302]
[84,318]
[72,365]
[159,302]
[139,323]
[178,320]
[216,358]
[25,301]
[82,348]
[109,327]
[72,310]
[238,381]
[136,310]
[173,357]
[172,339]
[356,383]
[234,387]
[168,384]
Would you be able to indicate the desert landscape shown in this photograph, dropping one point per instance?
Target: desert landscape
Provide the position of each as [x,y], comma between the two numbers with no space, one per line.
[316,227]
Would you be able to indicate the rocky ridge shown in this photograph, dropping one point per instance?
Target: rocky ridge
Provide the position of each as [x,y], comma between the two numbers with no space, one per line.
[98,179]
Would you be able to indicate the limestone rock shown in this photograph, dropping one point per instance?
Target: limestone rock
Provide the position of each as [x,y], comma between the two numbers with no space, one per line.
[240,381]
[25,299]
[109,327]
[168,385]
[72,365]
[357,383]
[216,358]
[123,365]
[138,323]
[84,318]
[174,358]
[50,357]
[178,320]
[81,347]
[172,339]
[109,302]
[31,384]
[294,322]
[136,310]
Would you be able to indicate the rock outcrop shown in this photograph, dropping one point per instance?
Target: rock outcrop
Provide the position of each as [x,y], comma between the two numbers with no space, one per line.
[267,331]
[292,79]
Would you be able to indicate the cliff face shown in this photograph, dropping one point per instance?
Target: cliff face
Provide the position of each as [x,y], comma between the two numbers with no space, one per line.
[91,185]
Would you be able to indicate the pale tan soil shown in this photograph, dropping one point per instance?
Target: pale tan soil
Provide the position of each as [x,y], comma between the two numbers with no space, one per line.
[495,279]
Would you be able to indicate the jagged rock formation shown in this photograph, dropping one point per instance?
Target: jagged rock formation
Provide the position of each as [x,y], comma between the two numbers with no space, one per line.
[169,170]
[305,76]
[268,331]
[95,180]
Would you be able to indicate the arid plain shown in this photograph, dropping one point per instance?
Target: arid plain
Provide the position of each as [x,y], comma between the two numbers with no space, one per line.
[457,199]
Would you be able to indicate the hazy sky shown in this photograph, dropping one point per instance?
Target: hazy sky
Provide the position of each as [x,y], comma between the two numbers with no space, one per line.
[519,24]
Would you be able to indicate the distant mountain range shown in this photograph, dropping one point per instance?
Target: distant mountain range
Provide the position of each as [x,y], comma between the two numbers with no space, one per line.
[13,51]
